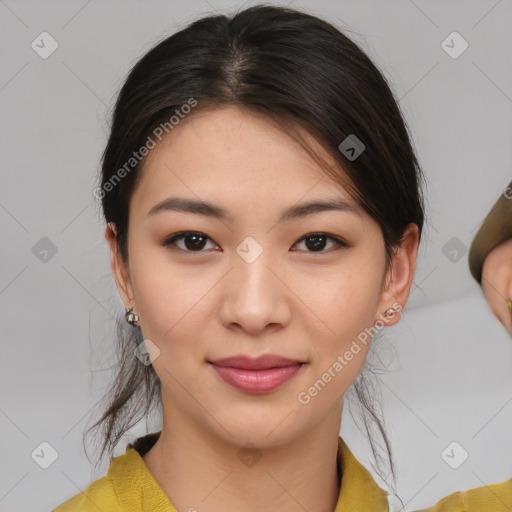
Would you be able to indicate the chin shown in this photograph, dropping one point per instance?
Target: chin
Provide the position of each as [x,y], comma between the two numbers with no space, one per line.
[258,430]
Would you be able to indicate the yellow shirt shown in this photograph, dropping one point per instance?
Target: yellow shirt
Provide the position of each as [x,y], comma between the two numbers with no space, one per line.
[129,486]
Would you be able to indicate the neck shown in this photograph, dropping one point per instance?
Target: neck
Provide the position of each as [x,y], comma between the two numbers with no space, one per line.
[201,472]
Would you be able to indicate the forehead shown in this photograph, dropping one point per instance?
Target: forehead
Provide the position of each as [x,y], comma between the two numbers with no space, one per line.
[230,153]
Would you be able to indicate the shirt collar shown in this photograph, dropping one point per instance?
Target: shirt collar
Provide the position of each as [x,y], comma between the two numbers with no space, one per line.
[135,484]
[358,490]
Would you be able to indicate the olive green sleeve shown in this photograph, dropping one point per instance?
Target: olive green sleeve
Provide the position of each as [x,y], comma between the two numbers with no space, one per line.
[496,228]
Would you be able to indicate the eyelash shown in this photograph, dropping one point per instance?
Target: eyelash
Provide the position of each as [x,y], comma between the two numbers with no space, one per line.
[183,234]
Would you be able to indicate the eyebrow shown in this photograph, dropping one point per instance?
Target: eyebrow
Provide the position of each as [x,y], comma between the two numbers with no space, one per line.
[185,205]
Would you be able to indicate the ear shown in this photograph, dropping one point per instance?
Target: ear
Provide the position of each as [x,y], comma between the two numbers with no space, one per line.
[398,279]
[119,269]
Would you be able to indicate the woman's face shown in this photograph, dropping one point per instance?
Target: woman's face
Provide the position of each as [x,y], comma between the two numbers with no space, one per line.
[253,282]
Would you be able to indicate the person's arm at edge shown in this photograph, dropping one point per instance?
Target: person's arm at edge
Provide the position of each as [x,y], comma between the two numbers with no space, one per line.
[495,229]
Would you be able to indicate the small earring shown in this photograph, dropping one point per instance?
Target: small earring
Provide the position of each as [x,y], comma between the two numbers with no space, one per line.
[131,318]
[391,311]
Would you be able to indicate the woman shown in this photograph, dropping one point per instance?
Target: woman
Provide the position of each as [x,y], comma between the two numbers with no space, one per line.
[264,209]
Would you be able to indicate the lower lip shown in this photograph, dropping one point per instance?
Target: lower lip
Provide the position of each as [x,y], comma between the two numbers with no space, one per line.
[257,381]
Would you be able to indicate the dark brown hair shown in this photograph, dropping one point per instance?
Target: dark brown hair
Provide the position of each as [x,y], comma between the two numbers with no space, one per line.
[298,70]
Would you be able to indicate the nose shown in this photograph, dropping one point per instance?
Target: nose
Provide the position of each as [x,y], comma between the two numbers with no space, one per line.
[255,297]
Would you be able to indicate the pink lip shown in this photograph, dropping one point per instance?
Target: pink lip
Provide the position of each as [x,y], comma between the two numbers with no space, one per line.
[256,375]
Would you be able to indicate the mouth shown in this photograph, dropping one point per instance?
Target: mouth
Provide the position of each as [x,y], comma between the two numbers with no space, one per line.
[256,375]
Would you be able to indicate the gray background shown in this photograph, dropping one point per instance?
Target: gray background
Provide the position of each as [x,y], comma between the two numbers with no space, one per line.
[449,362]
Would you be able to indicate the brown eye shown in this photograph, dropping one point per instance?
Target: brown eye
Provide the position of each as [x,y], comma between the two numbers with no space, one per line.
[193,241]
[316,242]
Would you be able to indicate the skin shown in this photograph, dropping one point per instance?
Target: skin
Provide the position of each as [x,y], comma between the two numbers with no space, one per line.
[497,282]
[292,300]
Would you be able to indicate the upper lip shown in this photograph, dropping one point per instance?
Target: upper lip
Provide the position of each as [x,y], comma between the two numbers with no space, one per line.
[256,363]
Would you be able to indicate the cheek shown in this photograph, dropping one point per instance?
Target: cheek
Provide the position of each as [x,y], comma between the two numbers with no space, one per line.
[172,318]
[349,300]
[346,304]
[171,305]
